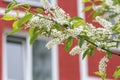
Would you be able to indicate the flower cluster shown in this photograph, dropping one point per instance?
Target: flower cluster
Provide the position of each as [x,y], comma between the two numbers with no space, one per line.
[103,22]
[78,50]
[103,65]
[60,15]
[40,21]
[52,42]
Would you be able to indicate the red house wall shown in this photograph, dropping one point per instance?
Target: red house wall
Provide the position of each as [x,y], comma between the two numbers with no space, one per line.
[68,65]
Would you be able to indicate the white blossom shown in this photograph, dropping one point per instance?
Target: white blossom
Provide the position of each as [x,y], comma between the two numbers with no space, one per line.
[106,24]
[40,21]
[116,9]
[74,32]
[99,7]
[109,2]
[103,65]
[77,49]
[56,33]
[60,16]
[52,43]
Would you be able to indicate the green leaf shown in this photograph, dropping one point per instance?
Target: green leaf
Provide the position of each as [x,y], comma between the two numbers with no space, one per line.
[39,10]
[57,26]
[10,6]
[82,39]
[33,34]
[84,1]
[116,2]
[68,43]
[109,54]
[14,5]
[77,21]
[117,72]
[87,8]
[97,73]
[85,53]
[34,37]
[24,19]
[113,15]
[8,17]
[103,76]
[91,50]
[15,27]
[31,31]
[116,27]
[96,13]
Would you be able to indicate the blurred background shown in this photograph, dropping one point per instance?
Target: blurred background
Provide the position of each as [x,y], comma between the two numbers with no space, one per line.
[21,61]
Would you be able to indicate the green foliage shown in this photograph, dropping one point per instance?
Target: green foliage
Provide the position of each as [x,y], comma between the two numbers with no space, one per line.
[57,26]
[33,33]
[68,43]
[117,72]
[96,13]
[109,54]
[84,1]
[15,27]
[116,2]
[81,41]
[17,24]
[116,27]
[10,6]
[97,73]
[77,21]
[89,51]
[39,10]
[14,5]
[85,53]
[113,15]
[103,76]
[87,8]
[24,19]
[8,18]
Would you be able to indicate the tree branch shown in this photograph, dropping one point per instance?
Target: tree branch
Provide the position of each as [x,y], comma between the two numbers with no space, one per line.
[113,52]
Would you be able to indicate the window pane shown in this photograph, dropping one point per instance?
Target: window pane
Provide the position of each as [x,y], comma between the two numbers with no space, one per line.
[41,61]
[14,60]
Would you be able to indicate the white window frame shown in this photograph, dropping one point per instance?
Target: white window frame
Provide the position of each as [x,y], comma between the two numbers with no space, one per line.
[26,55]
[84,63]
[34,3]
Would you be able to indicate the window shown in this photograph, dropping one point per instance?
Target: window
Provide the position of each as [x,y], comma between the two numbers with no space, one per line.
[15,58]
[34,2]
[42,68]
[21,61]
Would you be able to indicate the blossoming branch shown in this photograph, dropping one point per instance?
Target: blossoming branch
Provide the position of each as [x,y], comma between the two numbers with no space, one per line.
[52,21]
